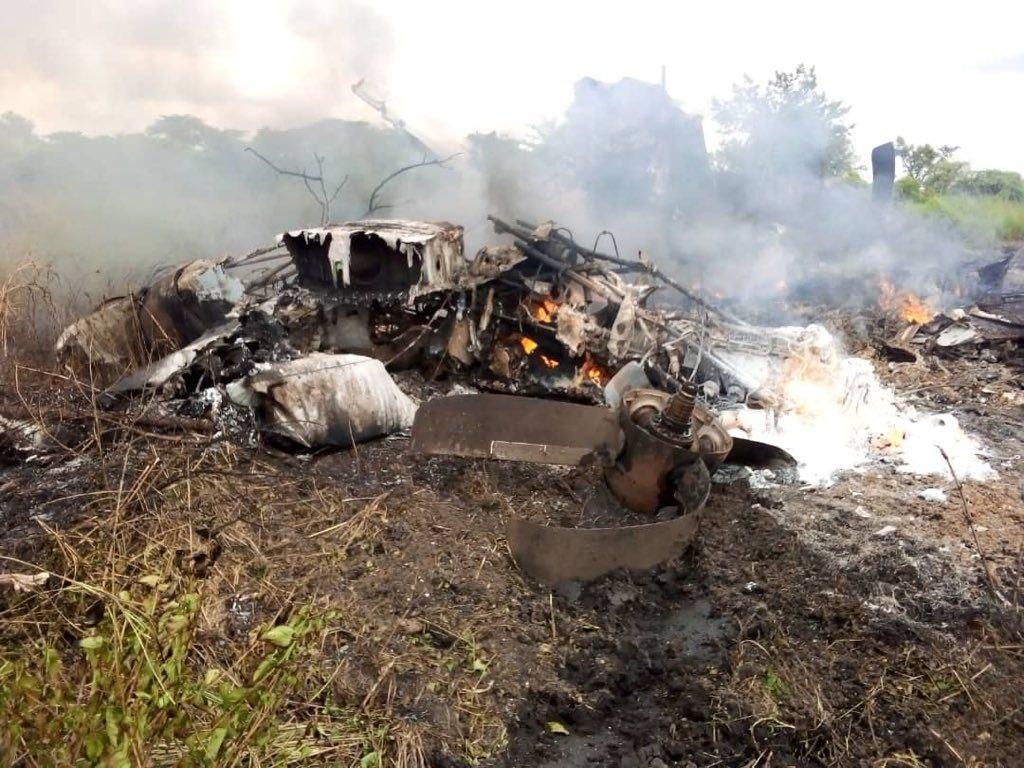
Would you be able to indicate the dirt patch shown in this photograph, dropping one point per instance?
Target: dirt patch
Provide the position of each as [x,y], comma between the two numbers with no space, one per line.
[794,632]
[850,625]
[760,649]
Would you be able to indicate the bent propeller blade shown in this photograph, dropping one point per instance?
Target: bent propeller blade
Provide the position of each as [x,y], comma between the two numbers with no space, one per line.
[758,455]
[515,428]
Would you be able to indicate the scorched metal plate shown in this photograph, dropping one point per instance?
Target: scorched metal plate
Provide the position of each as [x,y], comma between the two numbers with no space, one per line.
[515,428]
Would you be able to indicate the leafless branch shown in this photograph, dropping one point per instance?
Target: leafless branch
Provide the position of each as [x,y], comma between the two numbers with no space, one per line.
[993,589]
[322,198]
[375,204]
[284,172]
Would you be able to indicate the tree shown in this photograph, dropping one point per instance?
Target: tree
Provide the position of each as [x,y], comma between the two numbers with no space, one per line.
[190,131]
[17,134]
[787,126]
[315,184]
[989,182]
[929,170]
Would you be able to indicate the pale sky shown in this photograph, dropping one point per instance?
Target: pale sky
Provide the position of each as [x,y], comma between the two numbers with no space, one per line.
[937,72]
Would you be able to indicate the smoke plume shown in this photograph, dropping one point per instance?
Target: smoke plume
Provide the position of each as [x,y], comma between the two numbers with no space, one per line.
[755,223]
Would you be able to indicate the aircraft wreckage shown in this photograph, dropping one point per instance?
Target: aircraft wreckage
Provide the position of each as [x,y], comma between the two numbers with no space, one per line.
[572,359]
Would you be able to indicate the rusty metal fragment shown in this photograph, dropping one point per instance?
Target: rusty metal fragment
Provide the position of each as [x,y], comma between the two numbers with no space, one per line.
[671,446]
[553,554]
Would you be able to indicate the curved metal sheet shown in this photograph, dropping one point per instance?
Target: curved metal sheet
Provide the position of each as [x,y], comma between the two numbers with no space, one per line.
[551,554]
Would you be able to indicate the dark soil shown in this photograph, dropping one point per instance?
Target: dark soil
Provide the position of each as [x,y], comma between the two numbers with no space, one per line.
[758,650]
[791,634]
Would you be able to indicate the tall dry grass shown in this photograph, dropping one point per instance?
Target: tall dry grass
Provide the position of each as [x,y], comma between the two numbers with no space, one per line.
[188,612]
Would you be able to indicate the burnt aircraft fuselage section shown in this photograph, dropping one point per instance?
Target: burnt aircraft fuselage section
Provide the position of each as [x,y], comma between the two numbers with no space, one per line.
[378,257]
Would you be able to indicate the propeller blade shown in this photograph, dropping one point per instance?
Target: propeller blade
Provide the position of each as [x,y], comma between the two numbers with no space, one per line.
[758,455]
[551,554]
[515,428]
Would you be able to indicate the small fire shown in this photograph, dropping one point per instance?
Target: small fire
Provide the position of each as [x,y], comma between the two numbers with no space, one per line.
[594,372]
[550,362]
[530,346]
[544,310]
[909,306]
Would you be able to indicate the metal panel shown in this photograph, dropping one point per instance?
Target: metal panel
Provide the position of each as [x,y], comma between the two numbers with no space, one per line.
[552,554]
[518,428]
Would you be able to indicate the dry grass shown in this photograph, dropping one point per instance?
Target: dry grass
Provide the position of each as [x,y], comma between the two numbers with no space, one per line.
[214,606]
[151,644]
[29,316]
[828,700]
[157,640]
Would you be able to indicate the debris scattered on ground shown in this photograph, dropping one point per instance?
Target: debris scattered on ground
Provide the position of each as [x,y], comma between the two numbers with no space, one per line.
[933,494]
[23,582]
[644,578]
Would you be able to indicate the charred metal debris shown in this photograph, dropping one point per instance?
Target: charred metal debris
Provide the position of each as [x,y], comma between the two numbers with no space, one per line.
[990,329]
[298,344]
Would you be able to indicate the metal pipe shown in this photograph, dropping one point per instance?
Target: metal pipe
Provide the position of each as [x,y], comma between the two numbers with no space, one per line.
[643,266]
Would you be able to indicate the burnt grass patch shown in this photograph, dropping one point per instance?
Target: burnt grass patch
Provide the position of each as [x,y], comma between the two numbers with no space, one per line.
[757,649]
[791,633]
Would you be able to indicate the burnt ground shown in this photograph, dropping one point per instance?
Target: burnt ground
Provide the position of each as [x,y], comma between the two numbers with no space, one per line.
[852,625]
[794,632]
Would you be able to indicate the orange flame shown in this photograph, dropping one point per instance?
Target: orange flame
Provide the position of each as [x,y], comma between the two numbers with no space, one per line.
[550,362]
[530,346]
[545,310]
[594,372]
[909,306]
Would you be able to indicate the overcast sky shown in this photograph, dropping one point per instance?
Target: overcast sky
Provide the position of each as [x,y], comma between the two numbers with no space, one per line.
[937,72]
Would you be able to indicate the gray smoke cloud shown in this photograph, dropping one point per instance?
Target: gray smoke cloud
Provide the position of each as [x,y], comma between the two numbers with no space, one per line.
[756,225]
[86,64]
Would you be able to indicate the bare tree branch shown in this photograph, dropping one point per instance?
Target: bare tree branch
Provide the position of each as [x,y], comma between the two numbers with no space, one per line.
[322,198]
[300,174]
[375,205]
[338,189]
[323,187]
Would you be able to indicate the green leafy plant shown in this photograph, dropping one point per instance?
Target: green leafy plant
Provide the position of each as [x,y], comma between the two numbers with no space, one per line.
[134,691]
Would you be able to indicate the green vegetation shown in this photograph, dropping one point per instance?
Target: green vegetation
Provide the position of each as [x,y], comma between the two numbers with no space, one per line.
[137,650]
[787,125]
[986,205]
[929,170]
[982,218]
[135,688]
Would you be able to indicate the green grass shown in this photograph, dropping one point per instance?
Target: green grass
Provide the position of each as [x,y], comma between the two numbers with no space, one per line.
[130,655]
[138,691]
[982,218]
